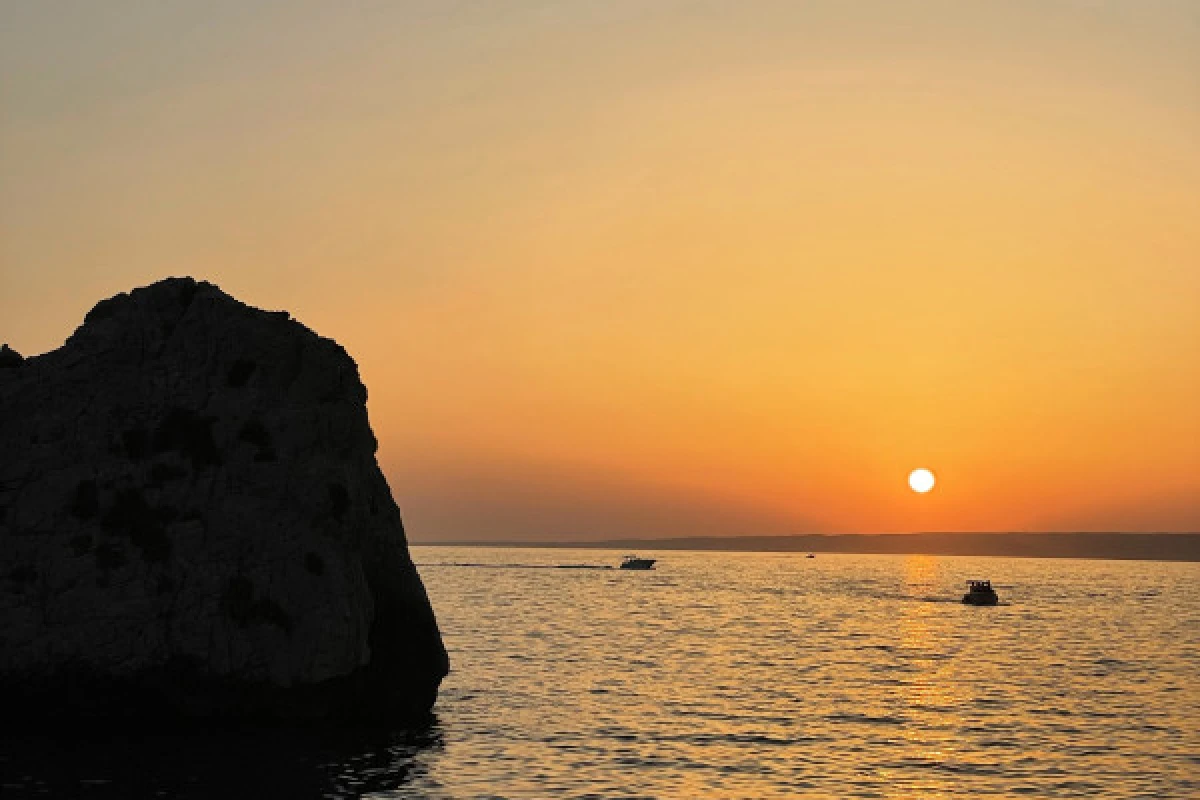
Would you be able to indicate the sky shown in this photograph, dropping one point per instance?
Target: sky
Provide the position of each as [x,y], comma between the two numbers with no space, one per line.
[660,268]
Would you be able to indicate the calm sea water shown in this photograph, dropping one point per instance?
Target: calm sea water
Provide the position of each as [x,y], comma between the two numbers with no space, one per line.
[741,675]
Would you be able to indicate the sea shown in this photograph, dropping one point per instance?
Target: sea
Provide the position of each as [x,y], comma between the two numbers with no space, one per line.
[735,675]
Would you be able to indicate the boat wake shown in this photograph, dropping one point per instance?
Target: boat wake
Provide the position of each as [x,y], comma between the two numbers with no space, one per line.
[514,566]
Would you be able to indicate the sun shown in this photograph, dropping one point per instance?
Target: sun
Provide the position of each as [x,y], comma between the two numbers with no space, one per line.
[921,480]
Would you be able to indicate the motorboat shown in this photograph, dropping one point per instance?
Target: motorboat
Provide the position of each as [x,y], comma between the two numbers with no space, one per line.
[810,555]
[637,562]
[980,593]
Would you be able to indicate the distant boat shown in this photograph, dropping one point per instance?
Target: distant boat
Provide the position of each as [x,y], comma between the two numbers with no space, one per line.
[810,555]
[980,593]
[635,562]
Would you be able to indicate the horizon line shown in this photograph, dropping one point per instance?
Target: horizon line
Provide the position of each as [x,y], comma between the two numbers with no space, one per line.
[1106,545]
[855,533]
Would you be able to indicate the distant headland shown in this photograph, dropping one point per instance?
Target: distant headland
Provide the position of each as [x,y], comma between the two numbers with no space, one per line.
[1127,546]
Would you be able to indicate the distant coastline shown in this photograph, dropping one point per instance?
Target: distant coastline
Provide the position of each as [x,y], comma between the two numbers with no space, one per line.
[1109,546]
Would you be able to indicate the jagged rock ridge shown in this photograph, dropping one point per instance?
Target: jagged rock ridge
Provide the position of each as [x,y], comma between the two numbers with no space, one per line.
[192,519]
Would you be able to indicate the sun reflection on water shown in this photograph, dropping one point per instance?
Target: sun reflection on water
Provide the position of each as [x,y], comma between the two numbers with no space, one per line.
[770,675]
[737,675]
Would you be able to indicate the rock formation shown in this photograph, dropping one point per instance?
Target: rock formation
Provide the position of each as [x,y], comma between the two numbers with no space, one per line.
[192,520]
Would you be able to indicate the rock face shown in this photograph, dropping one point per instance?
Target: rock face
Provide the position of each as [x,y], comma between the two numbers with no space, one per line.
[192,520]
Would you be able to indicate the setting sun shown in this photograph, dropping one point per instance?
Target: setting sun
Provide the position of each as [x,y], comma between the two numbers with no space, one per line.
[921,480]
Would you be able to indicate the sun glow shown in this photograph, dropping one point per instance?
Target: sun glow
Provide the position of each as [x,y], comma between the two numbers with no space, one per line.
[921,480]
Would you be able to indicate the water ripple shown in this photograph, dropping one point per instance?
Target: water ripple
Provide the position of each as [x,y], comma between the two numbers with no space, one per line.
[743,676]
[769,675]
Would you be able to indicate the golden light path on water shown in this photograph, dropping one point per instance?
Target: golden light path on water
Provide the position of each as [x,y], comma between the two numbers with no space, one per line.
[773,675]
[735,675]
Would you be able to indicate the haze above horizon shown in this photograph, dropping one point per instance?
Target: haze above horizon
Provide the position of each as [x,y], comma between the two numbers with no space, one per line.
[618,269]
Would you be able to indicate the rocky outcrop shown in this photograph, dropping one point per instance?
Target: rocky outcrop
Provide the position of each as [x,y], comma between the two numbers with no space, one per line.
[10,357]
[192,520]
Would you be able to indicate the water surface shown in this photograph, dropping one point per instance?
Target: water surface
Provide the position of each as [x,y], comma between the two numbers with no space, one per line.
[774,675]
[745,675]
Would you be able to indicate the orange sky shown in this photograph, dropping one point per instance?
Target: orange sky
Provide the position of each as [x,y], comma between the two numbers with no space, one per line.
[661,268]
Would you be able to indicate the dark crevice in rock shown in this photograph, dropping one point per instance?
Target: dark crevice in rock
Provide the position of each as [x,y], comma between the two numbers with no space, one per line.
[129,515]
[255,432]
[86,501]
[136,443]
[161,473]
[240,373]
[242,605]
[109,556]
[23,574]
[190,434]
[339,500]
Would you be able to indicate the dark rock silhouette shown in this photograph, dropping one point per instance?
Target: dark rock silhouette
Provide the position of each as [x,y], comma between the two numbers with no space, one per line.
[10,357]
[192,522]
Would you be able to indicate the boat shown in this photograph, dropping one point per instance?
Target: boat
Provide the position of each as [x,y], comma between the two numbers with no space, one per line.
[810,555]
[637,562]
[980,593]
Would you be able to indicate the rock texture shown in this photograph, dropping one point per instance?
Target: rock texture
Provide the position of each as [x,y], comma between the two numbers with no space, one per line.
[192,520]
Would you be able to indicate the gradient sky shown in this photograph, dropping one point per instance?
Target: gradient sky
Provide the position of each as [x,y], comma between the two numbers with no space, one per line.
[660,268]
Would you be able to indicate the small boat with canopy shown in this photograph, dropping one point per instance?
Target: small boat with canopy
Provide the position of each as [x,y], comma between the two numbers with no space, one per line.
[980,593]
